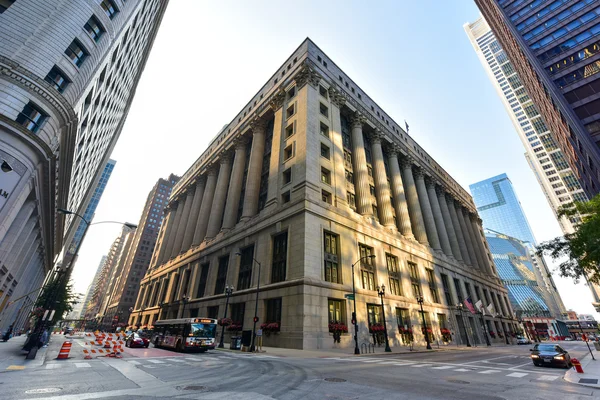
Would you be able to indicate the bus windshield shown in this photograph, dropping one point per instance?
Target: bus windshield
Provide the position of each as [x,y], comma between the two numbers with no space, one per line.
[203,330]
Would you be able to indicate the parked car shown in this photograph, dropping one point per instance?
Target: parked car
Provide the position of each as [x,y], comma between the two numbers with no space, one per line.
[136,340]
[544,354]
[523,340]
[68,331]
[568,339]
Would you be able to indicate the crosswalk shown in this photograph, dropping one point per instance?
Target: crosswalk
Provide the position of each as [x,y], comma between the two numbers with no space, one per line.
[449,368]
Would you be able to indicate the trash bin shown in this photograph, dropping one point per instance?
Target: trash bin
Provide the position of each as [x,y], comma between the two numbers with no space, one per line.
[246,338]
[597,346]
[236,343]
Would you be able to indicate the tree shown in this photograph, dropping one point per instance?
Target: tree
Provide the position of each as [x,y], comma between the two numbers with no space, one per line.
[59,296]
[579,250]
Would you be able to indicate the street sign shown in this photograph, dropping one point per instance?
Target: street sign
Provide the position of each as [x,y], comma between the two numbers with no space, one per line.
[349,296]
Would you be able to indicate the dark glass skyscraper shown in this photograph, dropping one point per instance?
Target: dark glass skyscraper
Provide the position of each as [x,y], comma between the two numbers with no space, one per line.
[555,48]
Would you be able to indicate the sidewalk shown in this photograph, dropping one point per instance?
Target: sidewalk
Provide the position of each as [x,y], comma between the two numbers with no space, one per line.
[12,358]
[591,375]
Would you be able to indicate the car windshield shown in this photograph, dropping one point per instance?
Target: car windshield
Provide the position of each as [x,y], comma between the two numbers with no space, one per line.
[547,347]
[203,330]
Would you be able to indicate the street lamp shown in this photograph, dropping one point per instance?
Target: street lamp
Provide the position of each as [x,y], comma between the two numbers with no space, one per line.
[185,299]
[228,292]
[459,307]
[381,293]
[255,303]
[354,319]
[420,301]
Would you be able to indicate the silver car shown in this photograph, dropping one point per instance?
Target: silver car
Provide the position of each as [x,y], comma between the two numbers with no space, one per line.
[523,340]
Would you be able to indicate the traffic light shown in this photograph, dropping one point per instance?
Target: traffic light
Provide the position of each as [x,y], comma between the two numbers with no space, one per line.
[255,319]
[353,318]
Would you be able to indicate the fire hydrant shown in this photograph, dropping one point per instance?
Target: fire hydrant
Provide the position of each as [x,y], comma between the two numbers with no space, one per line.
[577,365]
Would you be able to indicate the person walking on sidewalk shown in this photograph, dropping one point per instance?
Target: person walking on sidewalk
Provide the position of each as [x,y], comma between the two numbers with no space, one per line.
[43,339]
[7,334]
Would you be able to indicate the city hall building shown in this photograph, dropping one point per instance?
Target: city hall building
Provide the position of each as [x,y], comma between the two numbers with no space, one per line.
[305,184]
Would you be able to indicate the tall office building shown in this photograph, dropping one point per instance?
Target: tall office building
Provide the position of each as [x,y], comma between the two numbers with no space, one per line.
[309,179]
[553,46]
[68,73]
[501,212]
[90,290]
[123,290]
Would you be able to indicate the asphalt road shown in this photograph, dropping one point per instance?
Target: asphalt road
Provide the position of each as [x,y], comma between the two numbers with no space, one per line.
[479,373]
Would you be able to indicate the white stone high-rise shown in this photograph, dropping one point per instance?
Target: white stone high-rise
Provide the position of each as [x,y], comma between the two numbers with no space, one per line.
[68,74]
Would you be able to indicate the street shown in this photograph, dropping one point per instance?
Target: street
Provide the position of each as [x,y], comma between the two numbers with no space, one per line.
[482,373]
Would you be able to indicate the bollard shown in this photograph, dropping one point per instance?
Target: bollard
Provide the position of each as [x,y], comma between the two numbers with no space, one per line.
[577,365]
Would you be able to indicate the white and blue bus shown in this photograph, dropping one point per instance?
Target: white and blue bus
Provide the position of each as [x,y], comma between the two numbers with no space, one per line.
[185,334]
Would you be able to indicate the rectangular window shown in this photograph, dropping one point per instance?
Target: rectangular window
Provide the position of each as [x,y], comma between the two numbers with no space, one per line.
[292,92]
[367,267]
[323,109]
[374,314]
[349,177]
[57,79]
[245,274]
[221,275]
[468,291]
[326,196]
[287,176]
[278,268]
[443,321]
[203,278]
[458,290]
[212,312]
[325,176]
[324,130]
[109,8]
[322,91]
[414,279]
[351,199]
[94,28]
[331,250]
[286,197]
[289,131]
[76,52]
[32,117]
[337,311]
[290,111]
[394,275]
[325,152]
[288,152]
[432,286]
[403,319]
[237,314]
[273,307]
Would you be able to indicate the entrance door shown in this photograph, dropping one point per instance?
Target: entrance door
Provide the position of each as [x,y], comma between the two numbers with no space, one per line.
[461,329]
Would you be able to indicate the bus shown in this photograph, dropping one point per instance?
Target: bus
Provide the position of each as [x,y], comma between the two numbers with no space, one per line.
[185,334]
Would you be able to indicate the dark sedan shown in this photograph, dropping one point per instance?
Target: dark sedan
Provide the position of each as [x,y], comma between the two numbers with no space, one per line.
[136,340]
[544,354]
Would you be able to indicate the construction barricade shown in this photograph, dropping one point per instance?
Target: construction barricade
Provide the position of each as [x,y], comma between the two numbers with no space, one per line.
[64,351]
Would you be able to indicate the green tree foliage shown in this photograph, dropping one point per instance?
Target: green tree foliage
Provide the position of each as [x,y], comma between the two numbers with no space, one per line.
[580,251]
[58,296]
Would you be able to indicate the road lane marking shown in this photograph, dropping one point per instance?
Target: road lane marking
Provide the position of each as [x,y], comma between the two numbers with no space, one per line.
[402,365]
[83,365]
[52,366]
[462,370]
[134,362]
[370,361]
[488,371]
[517,374]
[522,365]
[421,365]
[174,360]
[156,361]
[15,367]
[443,367]
[547,378]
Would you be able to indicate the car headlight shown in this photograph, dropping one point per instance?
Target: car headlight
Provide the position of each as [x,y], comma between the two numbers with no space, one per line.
[559,357]
[535,356]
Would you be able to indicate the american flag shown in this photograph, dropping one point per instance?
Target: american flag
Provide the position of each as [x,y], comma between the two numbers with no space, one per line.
[469,305]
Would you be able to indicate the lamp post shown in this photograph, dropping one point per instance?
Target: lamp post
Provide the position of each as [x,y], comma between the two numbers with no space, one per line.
[185,299]
[459,307]
[256,302]
[586,342]
[487,340]
[381,293]
[354,319]
[420,301]
[228,292]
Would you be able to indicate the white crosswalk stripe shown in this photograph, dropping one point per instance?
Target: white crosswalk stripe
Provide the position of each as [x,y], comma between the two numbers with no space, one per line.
[156,361]
[421,365]
[83,365]
[174,360]
[370,361]
[488,371]
[134,362]
[517,374]
[547,378]
[443,367]
[461,370]
[52,366]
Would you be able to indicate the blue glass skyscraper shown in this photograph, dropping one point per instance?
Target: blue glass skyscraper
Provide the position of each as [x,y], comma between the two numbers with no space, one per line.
[500,208]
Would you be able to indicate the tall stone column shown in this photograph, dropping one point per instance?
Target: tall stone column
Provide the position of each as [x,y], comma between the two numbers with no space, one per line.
[185,216]
[205,208]
[190,226]
[412,201]
[235,186]
[438,218]
[168,227]
[176,222]
[466,235]
[382,188]
[480,245]
[254,170]
[458,230]
[399,196]
[480,263]
[337,149]
[441,193]
[359,164]
[432,235]
[216,215]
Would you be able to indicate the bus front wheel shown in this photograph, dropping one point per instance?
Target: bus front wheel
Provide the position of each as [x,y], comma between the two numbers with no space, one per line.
[179,346]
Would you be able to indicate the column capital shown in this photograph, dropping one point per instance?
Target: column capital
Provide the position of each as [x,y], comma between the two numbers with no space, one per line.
[407,162]
[211,169]
[307,75]
[376,136]
[440,190]
[258,125]
[240,143]
[418,173]
[200,179]
[429,181]
[393,150]
[225,158]
[277,100]
[357,120]
[336,97]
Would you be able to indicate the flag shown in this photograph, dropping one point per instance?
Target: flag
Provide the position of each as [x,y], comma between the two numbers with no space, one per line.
[406,124]
[469,305]
[491,309]
[480,307]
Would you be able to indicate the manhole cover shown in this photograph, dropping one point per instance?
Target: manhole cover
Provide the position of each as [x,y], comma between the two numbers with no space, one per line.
[335,380]
[43,390]
[191,387]
[458,381]
[585,380]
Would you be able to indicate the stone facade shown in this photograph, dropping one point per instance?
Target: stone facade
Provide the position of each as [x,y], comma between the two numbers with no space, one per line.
[309,178]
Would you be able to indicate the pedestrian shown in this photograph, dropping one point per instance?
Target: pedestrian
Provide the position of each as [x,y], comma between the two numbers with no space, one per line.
[44,339]
[259,336]
[7,334]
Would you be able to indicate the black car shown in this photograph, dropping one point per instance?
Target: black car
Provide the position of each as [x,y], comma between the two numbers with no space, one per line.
[550,354]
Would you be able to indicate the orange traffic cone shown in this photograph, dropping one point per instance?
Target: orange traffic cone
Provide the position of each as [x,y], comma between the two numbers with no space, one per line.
[64,351]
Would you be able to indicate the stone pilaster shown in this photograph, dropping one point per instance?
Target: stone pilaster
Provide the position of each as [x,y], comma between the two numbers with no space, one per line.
[480,263]
[185,217]
[399,197]
[450,230]
[458,230]
[337,101]
[361,175]
[235,186]
[438,218]
[190,227]
[475,222]
[205,208]
[279,125]
[254,170]
[412,201]
[432,235]
[173,233]
[382,188]
[216,215]
[467,235]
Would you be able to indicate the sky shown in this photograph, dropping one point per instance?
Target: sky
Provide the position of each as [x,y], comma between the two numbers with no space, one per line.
[413,58]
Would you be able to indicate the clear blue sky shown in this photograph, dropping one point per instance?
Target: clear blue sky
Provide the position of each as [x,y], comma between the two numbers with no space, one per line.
[412,58]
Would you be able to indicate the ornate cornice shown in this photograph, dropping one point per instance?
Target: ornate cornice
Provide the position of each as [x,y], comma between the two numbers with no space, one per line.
[336,96]
[307,75]
[277,100]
